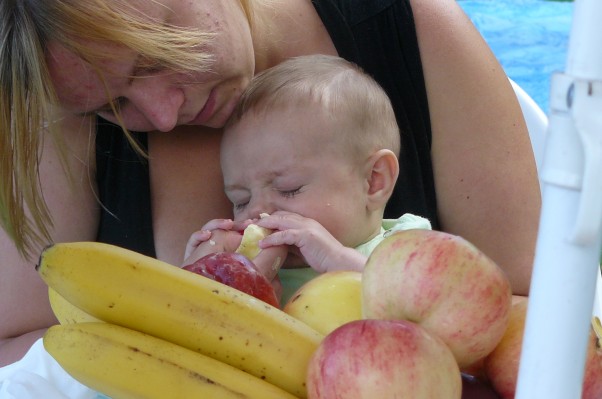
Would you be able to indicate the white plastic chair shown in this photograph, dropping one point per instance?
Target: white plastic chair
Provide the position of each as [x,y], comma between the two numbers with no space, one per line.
[536,119]
[598,298]
[537,124]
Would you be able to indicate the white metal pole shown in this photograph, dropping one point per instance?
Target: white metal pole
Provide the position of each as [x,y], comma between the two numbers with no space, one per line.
[568,248]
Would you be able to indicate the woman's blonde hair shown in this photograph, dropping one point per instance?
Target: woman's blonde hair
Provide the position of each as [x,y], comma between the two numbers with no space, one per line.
[27,96]
[341,88]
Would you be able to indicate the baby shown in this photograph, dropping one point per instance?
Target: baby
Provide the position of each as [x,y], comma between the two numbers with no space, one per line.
[313,143]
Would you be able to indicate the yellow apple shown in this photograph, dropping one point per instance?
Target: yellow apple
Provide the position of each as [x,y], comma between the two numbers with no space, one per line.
[328,301]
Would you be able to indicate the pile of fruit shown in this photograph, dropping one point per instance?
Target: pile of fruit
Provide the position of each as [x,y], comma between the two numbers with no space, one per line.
[430,317]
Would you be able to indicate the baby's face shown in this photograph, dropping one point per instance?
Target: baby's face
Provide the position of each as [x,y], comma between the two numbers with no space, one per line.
[283,161]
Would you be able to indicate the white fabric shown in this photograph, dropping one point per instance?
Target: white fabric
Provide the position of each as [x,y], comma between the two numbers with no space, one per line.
[407,221]
[38,376]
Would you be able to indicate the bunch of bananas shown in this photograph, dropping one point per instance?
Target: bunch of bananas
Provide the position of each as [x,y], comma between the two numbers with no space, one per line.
[135,327]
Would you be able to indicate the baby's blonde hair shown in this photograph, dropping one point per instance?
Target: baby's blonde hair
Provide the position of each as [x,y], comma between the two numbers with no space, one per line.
[343,90]
[27,95]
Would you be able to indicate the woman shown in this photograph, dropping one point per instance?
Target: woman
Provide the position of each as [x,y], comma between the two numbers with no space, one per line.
[175,69]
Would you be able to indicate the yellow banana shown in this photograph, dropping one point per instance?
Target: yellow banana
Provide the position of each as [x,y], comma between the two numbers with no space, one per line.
[65,311]
[126,288]
[124,363]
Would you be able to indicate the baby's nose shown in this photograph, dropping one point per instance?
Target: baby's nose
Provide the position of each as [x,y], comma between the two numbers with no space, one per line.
[258,208]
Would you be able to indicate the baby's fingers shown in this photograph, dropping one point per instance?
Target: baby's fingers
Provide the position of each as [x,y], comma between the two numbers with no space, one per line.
[195,240]
[284,237]
[221,224]
[282,220]
[241,225]
[269,260]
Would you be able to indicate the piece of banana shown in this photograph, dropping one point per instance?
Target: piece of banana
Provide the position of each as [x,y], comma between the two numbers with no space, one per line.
[126,288]
[127,364]
[65,311]
[249,245]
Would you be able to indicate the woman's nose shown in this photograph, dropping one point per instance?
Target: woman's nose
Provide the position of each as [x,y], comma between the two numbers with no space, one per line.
[159,101]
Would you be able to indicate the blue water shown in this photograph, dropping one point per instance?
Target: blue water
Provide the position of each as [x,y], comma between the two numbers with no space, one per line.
[529,38]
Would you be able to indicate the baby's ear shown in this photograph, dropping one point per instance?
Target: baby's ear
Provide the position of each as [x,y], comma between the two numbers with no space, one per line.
[383,170]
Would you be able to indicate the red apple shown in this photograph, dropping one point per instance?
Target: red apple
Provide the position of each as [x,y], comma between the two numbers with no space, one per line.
[369,359]
[592,380]
[445,284]
[236,271]
[501,366]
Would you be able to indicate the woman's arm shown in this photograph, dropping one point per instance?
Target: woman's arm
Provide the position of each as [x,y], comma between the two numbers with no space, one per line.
[485,173]
[24,308]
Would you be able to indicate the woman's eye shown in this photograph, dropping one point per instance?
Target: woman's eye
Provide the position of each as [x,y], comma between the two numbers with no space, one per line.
[118,102]
[150,70]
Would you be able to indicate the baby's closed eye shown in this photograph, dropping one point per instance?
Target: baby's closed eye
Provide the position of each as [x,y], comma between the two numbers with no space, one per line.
[240,205]
[290,193]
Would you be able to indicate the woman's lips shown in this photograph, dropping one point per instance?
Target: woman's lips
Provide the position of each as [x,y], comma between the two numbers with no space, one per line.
[206,112]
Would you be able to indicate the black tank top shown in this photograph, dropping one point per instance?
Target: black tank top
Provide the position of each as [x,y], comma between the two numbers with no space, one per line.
[124,190]
[378,35]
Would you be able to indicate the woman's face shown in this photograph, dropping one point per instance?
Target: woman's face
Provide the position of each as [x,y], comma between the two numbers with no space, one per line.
[162,99]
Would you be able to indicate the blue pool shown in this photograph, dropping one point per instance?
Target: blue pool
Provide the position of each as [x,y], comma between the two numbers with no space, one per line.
[529,38]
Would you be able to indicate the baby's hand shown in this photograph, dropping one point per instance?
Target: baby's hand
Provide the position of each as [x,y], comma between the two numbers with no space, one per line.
[225,235]
[217,235]
[315,244]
